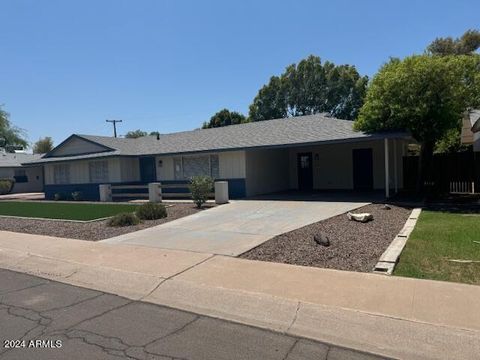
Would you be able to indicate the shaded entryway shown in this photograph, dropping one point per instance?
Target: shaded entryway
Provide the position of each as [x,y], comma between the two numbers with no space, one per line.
[237,227]
[148,172]
[305,171]
[362,169]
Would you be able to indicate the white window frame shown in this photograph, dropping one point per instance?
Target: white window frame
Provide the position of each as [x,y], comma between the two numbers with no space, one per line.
[61,173]
[180,175]
[98,171]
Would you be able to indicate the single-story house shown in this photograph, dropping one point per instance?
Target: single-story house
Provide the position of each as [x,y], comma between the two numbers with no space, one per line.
[28,178]
[313,152]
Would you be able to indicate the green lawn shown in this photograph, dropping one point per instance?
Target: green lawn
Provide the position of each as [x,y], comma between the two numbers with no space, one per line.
[70,211]
[438,237]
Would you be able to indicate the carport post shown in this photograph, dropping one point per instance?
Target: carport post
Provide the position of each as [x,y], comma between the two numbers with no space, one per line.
[387,170]
[395,171]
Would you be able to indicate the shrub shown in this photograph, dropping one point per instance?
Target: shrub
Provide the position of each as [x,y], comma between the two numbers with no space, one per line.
[6,186]
[77,195]
[124,219]
[200,187]
[151,211]
[59,196]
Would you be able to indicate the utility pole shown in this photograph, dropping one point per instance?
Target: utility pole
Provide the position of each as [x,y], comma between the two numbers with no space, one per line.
[114,122]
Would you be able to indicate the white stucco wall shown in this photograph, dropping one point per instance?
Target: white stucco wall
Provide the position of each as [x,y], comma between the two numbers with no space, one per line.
[34,175]
[6,172]
[231,165]
[267,171]
[164,166]
[76,146]
[333,169]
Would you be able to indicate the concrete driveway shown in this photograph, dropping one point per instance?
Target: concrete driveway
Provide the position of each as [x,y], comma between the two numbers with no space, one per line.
[237,227]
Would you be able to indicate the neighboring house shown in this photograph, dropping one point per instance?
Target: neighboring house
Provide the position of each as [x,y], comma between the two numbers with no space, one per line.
[471,129]
[28,178]
[304,153]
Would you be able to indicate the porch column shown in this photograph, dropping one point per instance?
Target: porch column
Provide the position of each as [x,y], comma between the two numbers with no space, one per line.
[387,170]
[395,171]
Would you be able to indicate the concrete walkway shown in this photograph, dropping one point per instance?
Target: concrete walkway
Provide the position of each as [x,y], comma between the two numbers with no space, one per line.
[236,227]
[390,316]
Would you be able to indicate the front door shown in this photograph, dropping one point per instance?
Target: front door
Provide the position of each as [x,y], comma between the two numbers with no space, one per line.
[305,171]
[362,169]
[148,172]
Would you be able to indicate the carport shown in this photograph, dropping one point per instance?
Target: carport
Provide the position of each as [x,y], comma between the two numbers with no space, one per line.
[355,165]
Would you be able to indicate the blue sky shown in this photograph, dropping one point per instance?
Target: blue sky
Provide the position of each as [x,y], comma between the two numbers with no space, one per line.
[66,66]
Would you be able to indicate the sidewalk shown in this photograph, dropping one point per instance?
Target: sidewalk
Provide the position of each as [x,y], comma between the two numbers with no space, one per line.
[397,317]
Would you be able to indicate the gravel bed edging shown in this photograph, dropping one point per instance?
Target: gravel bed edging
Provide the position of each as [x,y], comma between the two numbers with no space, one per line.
[353,246]
[389,258]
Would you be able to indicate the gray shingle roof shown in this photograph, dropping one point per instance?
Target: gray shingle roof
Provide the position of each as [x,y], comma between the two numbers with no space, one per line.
[8,160]
[281,132]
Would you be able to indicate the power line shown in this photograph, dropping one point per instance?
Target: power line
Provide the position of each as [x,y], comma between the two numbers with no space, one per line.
[114,122]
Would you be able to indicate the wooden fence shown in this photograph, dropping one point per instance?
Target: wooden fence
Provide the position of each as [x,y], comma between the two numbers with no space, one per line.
[450,173]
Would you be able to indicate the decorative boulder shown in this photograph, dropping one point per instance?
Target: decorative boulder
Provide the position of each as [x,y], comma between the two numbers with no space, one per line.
[321,239]
[364,217]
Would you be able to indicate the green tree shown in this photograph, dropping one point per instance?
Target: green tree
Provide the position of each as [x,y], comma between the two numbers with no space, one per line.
[224,117]
[451,142]
[11,137]
[467,44]
[43,145]
[270,102]
[135,134]
[426,95]
[311,87]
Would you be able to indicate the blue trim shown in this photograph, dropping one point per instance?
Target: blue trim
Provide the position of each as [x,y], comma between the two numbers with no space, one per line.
[236,189]
[179,190]
[148,171]
[21,179]
[89,191]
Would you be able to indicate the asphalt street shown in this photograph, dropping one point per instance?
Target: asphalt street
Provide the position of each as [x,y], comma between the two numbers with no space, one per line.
[43,319]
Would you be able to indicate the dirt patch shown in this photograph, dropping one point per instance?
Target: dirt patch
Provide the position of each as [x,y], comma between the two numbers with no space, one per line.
[353,246]
[97,230]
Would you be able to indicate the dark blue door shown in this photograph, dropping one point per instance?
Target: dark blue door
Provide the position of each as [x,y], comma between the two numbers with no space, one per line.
[305,171]
[362,169]
[148,171]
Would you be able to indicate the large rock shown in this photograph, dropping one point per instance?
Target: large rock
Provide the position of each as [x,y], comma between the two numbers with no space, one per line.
[321,239]
[363,217]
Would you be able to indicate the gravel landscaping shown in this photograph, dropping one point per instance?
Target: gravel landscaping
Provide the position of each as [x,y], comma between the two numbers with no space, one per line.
[96,230]
[353,246]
